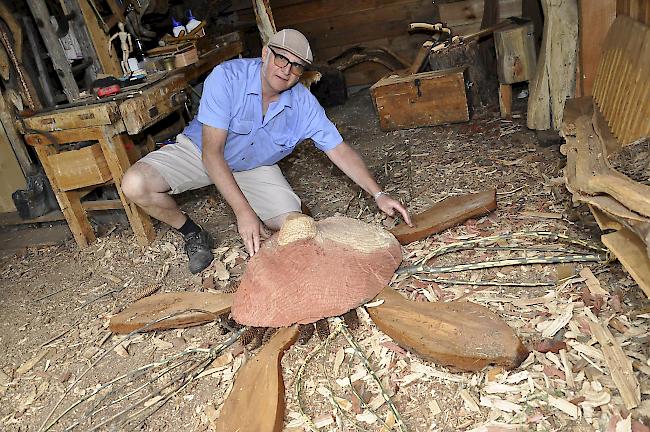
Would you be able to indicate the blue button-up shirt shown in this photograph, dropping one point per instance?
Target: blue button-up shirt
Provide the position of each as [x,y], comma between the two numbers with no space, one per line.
[232,100]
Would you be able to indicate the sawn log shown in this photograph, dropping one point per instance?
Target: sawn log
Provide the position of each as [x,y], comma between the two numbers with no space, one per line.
[447,213]
[256,403]
[463,335]
[188,309]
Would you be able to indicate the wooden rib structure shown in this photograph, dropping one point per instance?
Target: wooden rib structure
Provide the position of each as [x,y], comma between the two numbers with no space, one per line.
[256,403]
[445,214]
[463,335]
[184,309]
[597,128]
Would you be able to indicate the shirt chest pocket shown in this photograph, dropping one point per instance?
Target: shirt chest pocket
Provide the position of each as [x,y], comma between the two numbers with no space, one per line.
[241,127]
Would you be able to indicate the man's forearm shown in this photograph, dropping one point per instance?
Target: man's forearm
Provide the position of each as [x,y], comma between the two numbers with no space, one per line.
[222,177]
[349,161]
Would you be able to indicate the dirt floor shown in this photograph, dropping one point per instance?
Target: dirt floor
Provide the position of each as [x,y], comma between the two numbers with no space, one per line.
[56,302]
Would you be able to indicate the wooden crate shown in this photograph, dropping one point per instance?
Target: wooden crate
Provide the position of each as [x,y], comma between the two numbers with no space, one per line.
[423,99]
[76,169]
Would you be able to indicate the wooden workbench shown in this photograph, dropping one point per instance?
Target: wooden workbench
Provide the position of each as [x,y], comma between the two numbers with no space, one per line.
[109,123]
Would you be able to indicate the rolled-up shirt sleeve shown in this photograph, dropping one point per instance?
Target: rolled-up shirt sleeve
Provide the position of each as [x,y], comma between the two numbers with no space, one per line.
[216,101]
[318,127]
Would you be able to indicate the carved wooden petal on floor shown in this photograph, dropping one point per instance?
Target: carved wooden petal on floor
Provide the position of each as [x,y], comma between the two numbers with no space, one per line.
[199,308]
[312,270]
[459,334]
[445,214]
[256,403]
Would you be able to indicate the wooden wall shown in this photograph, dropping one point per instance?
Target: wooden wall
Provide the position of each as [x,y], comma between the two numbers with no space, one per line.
[334,25]
[637,9]
[11,176]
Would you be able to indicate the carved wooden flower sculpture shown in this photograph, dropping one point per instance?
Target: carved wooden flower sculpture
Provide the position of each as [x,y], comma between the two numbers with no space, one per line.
[312,270]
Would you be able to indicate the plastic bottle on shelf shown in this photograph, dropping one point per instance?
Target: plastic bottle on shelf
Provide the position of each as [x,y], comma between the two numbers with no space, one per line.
[178,29]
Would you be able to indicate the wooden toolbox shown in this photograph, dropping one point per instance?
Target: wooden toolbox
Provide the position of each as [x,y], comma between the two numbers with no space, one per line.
[423,99]
[80,168]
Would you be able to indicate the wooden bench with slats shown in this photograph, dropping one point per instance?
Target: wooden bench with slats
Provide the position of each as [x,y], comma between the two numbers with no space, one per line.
[596,128]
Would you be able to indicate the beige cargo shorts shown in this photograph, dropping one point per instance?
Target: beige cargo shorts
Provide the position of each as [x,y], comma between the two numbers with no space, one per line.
[265,188]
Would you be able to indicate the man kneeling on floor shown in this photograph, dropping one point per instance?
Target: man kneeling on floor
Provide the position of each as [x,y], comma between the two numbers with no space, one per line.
[251,115]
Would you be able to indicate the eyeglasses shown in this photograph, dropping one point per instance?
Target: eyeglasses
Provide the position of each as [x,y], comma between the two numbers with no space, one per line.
[281,61]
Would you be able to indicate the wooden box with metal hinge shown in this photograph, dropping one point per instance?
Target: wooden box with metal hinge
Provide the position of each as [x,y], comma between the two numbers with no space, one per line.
[422,99]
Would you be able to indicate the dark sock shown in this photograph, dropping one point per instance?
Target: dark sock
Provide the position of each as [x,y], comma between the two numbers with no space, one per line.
[189,227]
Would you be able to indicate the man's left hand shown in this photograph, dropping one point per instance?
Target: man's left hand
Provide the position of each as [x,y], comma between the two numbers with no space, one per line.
[389,205]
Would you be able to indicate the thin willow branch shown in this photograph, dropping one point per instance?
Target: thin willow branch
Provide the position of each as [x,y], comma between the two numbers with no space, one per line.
[45,426]
[301,370]
[503,263]
[482,283]
[366,364]
[469,244]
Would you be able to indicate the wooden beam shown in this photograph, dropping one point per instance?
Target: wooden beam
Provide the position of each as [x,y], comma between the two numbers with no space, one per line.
[13,218]
[16,141]
[57,55]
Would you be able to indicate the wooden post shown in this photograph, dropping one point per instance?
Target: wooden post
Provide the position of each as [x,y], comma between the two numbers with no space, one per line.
[554,80]
[16,141]
[118,163]
[57,55]
[43,76]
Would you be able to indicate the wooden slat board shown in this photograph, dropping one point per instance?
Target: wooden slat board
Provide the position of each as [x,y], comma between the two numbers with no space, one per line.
[80,168]
[256,402]
[74,117]
[622,88]
[155,307]
[464,335]
[594,20]
[445,214]
[336,25]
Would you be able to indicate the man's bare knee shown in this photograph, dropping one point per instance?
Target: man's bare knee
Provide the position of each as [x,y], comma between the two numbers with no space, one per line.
[141,181]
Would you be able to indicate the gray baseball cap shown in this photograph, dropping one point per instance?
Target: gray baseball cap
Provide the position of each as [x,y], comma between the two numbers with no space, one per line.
[294,42]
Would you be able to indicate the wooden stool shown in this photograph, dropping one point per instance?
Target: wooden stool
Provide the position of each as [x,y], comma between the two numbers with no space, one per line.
[516,61]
